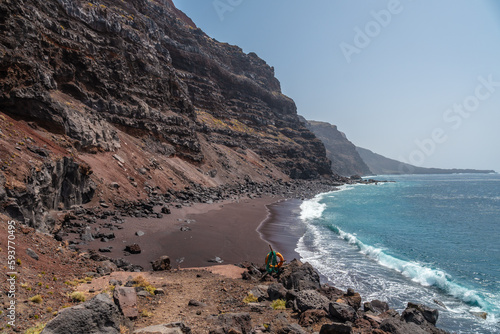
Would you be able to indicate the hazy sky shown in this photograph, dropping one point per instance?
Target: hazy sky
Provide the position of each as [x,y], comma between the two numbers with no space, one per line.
[417,81]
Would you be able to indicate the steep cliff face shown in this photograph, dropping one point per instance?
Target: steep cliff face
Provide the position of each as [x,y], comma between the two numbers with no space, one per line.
[124,87]
[345,158]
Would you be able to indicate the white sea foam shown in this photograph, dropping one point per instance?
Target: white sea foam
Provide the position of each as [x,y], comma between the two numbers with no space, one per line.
[312,209]
[417,272]
[378,274]
[315,248]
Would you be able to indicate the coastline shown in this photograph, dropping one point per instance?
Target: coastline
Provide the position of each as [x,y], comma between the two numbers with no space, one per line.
[228,233]
[193,236]
[283,228]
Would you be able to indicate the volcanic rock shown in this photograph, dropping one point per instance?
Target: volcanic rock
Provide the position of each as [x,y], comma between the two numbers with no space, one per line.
[133,249]
[299,276]
[163,263]
[126,299]
[98,315]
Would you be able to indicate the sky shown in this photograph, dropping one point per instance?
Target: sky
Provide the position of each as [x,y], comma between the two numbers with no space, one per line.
[416,81]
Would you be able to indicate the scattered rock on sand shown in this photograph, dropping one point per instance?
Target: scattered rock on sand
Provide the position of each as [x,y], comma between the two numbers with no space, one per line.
[133,249]
[106,267]
[196,303]
[163,263]
[216,260]
[32,253]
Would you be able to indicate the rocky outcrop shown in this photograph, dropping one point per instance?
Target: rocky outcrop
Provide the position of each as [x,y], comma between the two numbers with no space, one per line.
[299,276]
[81,79]
[98,315]
[126,299]
[55,185]
[337,311]
[342,153]
[91,70]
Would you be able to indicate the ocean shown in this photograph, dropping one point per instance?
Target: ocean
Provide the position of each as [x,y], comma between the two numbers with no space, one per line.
[430,239]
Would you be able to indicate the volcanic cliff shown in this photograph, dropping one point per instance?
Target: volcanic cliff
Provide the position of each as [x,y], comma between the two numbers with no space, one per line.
[342,153]
[110,99]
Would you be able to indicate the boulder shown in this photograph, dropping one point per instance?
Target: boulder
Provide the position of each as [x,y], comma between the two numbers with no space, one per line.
[310,317]
[87,235]
[376,306]
[126,299]
[311,299]
[397,326]
[121,263]
[196,303]
[276,291]
[240,322]
[106,267]
[299,276]
[133,249]
[98,315]
[420,314]
[32,253]
[353,299]
[291,329]
[163,263]
[336,328]
[342,312]
[260,292]
[283,324]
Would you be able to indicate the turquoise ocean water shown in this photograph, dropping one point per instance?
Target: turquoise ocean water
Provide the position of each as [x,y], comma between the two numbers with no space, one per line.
[423,238]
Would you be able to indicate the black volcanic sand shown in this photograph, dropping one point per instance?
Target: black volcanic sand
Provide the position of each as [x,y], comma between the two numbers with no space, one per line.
[228,233]
[227,230]
[232,231]
[283,228]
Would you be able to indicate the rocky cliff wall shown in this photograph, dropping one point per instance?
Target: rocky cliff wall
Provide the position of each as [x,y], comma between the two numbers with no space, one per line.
[145,99]
[84,68]
[345,158]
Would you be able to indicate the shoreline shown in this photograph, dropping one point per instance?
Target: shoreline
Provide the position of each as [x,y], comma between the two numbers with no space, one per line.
[282,227]
[192,236]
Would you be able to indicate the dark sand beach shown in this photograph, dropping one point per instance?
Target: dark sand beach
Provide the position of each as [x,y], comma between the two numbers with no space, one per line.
[227,230]
[282,227]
